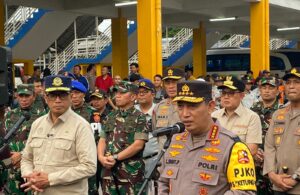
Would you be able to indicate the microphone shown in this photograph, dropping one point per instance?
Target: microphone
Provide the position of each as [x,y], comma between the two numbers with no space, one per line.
[177,128]
[13,130]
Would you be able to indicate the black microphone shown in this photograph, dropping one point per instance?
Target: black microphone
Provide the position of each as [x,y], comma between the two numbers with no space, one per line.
[13,130]
[177,128]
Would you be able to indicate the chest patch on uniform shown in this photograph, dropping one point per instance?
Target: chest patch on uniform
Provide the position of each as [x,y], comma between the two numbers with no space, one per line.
[277,140]
[170,172]
[96,117]
[172,161]
[205,176]
[215,142]
[177,146]
[278,130]
[203,191]
[209,158]
[212,150]
[208,166]
[174,153]
[280,117]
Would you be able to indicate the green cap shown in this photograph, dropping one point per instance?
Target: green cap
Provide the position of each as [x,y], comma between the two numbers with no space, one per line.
[125,87]
[269,80]
[27,89]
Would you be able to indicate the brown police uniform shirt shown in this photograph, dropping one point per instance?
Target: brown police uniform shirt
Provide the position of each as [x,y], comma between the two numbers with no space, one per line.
[215,163]
[164,115]
[65,150]
[282,145]
[244,122]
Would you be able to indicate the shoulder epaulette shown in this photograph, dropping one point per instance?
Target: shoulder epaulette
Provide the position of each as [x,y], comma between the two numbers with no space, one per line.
[230,134]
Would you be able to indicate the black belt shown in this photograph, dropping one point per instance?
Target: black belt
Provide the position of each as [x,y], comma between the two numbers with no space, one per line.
[150,156]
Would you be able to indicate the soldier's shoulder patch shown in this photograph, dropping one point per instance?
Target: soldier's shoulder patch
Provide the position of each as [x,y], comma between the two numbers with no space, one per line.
[241,168]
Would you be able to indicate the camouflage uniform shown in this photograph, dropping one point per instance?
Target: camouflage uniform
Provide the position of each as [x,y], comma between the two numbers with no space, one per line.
[86,112]
[14,179]
[40,103]
[121,129]
[264,186]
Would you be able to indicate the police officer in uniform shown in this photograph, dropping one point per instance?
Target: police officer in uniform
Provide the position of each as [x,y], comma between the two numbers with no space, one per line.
[79,106]
[121,145]
[206,159]
[282,142]
[165,113]
[26,98]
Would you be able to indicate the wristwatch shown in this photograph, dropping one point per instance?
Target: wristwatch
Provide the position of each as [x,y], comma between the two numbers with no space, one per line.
[296,177]
[115,156]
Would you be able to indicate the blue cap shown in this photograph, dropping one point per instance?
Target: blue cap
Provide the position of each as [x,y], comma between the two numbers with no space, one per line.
[146,83]
[57,83]
[76,85]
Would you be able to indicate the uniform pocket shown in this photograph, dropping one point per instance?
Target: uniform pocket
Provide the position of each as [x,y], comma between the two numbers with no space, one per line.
[36,145]
[205,177]
[170,172]
[62,150]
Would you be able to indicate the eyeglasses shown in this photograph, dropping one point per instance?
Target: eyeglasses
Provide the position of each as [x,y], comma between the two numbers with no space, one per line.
[143,92]
[229,93]
[53,96]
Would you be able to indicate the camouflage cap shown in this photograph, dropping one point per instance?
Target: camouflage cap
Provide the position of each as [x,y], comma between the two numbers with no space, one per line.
[193,91]
[247,80]
[27,89]
[125,87]
[99,94]
[269,80]
[173,73]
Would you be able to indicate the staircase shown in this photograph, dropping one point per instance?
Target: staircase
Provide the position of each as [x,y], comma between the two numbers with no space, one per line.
[233,41]
[14,26]
[172,45]
[86,50]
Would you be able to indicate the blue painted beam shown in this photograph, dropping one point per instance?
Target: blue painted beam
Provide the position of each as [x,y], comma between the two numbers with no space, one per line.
[107,50]
[26,27]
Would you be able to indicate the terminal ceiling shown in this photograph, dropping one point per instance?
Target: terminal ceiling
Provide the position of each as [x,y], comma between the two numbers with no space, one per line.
[188,13]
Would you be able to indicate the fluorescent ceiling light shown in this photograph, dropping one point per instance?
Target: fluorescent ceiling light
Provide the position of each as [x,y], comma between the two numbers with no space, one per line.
[290,28]
[126,3]
[222,19]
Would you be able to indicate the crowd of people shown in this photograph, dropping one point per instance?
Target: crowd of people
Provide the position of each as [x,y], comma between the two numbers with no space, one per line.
[93,135]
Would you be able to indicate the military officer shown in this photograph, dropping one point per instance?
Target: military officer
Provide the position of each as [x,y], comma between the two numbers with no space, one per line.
[79,106]
[165,113]
[26,98]
[121,144]
[282,141]
[206,159]
[265,109]
[60,153]
[99,101]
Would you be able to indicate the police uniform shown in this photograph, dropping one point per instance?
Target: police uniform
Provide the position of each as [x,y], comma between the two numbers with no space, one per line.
[165,113]
[17,144]
[282,142]
[264,186]
[65,150]
[120,130]
[214,163]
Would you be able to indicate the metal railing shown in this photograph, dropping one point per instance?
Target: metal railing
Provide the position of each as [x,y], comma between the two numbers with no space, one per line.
[88,47]
[278,43]
[233,41]
[15,22]
[172,45]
